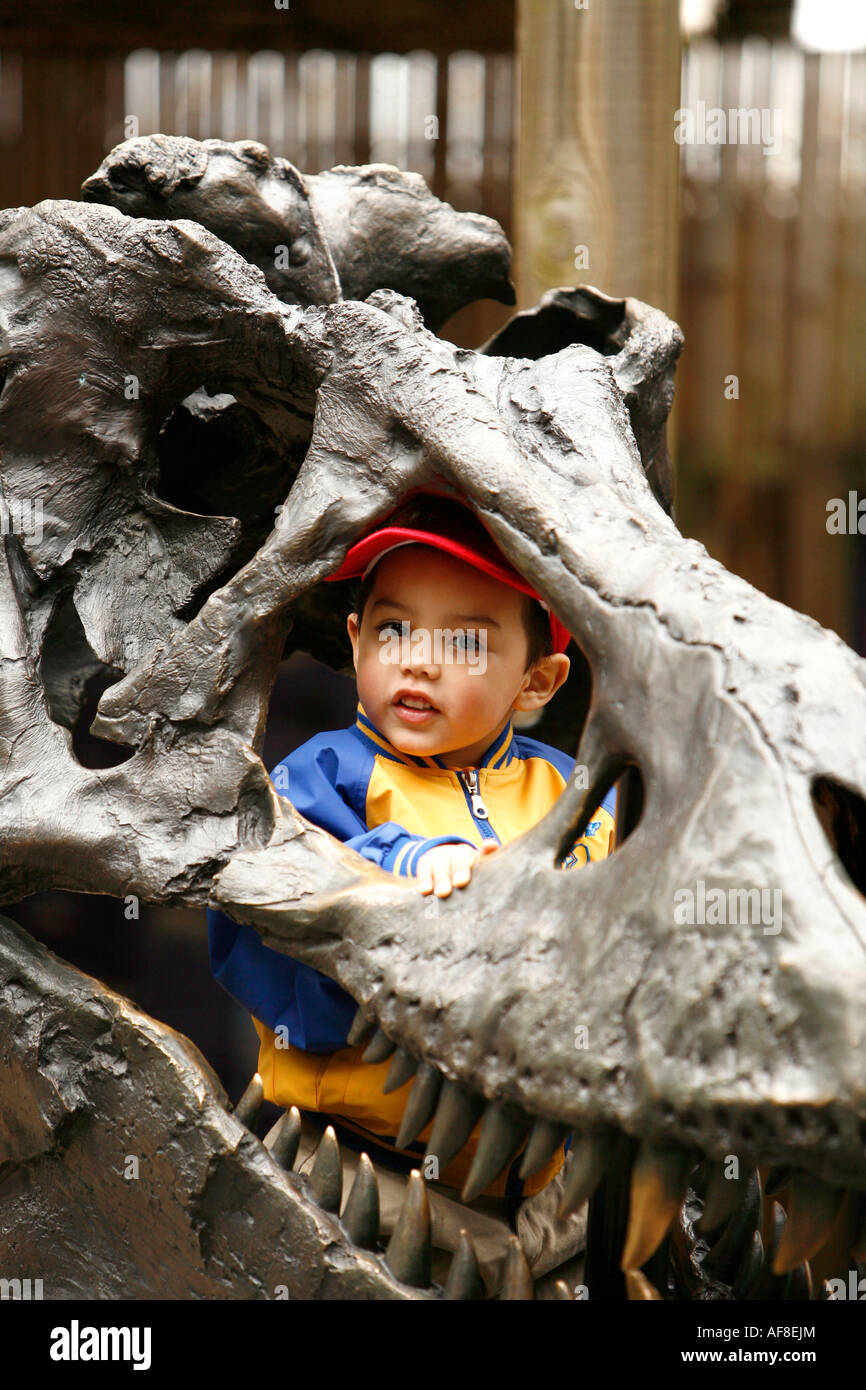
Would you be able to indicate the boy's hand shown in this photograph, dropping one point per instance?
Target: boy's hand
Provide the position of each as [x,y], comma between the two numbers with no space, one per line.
[449,866]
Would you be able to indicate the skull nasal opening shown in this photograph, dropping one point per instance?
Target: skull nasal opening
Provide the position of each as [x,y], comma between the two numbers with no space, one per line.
[74,679]
[606,815]
[842,814]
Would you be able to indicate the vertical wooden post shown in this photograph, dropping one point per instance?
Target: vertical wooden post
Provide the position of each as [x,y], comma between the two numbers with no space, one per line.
[362,110]
[439,185]
[597,161]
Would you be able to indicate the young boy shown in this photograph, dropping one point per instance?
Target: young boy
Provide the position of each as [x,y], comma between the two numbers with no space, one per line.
[448,640]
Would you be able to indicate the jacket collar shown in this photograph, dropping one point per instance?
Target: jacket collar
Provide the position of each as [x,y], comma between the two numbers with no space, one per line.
[499,754]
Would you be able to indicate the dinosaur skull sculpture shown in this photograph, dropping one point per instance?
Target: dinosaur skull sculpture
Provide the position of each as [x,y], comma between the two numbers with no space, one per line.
[702,1033]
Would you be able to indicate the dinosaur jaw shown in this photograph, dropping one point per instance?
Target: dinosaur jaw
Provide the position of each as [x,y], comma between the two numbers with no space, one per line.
[125,1118]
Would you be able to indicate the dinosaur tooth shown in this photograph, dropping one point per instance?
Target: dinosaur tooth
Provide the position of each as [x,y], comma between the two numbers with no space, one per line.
[722,1196]
[285,1136]
[380,1048]
[587,1159]
[409,1253]
[639,1287]
[326,1174]
[750,1269]
[249,1106]
[798,1287]
[362,1028]
[658,1184]
[421,1103]
[456,1116]
[544,1140]
[516,1276]
[402,1068]
[770,1285]
[464,1277]
[503,1129]
[361,1215]
[812,1211]
[726,1258]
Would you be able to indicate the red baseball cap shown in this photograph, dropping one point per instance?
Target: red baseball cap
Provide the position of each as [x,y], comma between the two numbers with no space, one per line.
[449,525]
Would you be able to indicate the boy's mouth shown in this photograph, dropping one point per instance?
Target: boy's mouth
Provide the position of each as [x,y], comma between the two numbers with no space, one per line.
[412,707]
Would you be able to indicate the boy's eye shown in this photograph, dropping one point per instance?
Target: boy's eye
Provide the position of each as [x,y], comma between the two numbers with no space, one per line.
[466,642]
[397,623]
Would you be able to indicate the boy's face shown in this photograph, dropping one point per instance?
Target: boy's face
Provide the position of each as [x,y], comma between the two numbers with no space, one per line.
[472,689]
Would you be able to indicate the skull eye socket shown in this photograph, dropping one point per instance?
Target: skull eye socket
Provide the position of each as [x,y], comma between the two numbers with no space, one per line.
[842,814]
[199,446]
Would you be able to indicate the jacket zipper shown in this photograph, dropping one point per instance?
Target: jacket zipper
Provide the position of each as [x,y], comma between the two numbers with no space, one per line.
[468,777]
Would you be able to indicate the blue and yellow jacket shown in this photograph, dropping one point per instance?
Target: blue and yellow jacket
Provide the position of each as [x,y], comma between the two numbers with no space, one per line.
[391,807]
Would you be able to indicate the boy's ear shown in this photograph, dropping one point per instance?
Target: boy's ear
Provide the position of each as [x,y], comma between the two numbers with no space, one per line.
[543,681]
[352,628]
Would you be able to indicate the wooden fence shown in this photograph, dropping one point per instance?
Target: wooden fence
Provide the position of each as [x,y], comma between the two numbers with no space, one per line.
[773,294]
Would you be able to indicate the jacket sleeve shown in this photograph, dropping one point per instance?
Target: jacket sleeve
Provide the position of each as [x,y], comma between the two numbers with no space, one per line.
[276,989]
[318,786]
[395,849]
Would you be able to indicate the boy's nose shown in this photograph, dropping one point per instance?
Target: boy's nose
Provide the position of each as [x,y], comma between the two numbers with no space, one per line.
[418,665]
[419,656]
